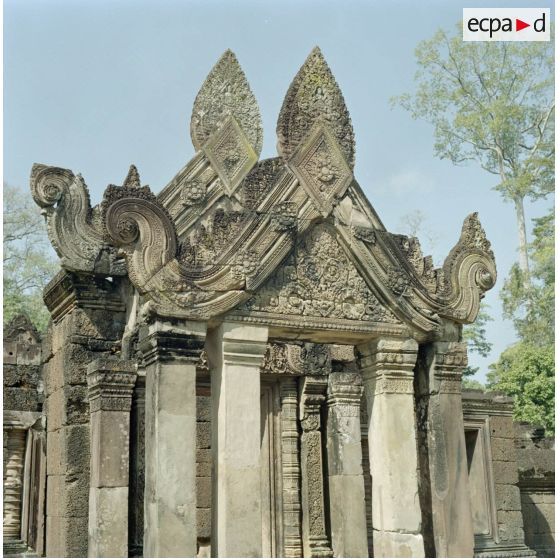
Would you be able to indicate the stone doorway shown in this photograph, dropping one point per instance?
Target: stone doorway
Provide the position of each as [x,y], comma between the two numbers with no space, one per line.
[271,482]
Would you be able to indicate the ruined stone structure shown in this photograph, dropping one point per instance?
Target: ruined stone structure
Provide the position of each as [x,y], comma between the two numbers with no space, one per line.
[248,364]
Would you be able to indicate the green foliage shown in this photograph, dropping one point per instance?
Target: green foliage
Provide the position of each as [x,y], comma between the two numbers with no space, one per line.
[526,370]
[490,102]
[532,308]
[468,383]
[28,260]
[475,336]
[526,373]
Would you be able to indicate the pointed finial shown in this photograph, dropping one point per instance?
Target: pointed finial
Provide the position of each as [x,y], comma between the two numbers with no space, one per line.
[226,92]
[132,179]
[312,95]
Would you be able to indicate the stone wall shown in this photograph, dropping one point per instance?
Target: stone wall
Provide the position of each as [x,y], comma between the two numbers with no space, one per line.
[492,456]
[24,444]
[535,458]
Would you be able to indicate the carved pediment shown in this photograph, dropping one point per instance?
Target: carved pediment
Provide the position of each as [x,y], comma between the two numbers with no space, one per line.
[317,280]
[291,239]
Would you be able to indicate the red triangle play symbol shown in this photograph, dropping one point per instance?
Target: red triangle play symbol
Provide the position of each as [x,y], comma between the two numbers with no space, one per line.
[519,25]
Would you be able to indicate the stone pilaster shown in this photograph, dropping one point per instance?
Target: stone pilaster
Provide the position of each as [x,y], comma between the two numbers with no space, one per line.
[170,355]
[440,405]
[110,383]
[235,353]
[387,366]
[292,539]
[312,396]
[14,455]
[346,481]
[137,469]
[88,321]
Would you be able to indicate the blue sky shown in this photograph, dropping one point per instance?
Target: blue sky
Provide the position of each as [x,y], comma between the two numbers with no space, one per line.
[96,85]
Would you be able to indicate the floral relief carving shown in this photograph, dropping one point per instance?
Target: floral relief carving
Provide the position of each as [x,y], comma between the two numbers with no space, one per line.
[224,93]
[313,95]
[318,280]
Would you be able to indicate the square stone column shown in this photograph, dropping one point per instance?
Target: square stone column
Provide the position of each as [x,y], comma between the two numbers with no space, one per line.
[387,366]
[170,354]
[110,383]
[346,481]
[314,538]
[235,353]
[440,407]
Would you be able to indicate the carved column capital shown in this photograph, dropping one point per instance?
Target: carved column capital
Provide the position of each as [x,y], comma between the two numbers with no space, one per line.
[313,391]
[389,364]
[163,341]
[345,392]
[111,383]
[447,361]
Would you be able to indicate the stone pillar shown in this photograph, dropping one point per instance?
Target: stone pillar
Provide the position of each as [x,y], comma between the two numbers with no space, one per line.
[110,383]
[387,366]
[346,481]
[170,355]
[290,459]
[312,396]
[440,383]
[235,353]
[14,455]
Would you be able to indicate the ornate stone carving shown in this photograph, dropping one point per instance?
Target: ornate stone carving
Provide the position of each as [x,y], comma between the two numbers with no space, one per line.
[230,154]
[245,264]
[260,181]
[234,222]
[321,168]
[291,470]
[319,280]
[226,93]
[284,216]
[135,221]
[70,221]
[469,271]
[314,95]
[193,192]
[111,383]
[363,233]
[312,397]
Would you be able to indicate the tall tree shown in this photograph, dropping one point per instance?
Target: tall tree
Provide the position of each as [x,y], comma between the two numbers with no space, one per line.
[28,259]
[493,103]
[475,336]
[526,369]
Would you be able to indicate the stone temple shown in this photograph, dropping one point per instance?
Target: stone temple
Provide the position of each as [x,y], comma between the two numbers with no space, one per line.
[249,365]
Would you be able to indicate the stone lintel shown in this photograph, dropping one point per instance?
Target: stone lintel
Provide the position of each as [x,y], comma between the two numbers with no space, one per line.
[21,419]
[111,384]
